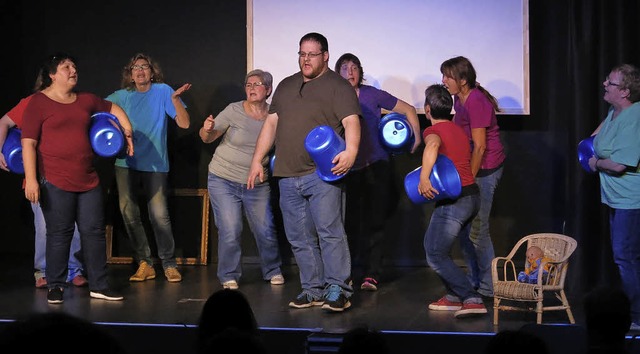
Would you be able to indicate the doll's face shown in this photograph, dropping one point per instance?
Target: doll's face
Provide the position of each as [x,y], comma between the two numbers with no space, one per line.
[534,253]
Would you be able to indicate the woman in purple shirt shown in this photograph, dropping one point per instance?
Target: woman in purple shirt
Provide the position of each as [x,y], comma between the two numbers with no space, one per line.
[475,111]
[369,183]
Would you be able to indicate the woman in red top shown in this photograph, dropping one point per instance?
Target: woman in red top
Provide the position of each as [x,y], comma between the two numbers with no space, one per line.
[55,134]
[451,219]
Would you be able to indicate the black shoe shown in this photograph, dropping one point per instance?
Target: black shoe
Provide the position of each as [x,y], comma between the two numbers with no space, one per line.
[106,294]
[304,301]
[335,300]
[54,296]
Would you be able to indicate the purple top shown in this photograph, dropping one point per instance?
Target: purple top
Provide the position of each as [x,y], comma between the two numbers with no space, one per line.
[372,100]
[478,112]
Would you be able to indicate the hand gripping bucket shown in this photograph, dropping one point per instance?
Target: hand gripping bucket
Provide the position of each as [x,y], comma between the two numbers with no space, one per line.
[323,144]
[106,135]
[395,133]
[12,151]
[585,152]
[444,178]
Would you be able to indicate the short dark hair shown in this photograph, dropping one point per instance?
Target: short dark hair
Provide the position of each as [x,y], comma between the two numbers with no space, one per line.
[316,37]
[439,99]
[352,58]
[50,66]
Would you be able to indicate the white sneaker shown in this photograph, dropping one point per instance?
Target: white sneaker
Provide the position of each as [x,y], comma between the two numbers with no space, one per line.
[231,284]
[634,327]
[277,280]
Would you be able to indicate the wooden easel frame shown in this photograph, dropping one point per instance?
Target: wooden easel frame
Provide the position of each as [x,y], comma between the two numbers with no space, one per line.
[201,259]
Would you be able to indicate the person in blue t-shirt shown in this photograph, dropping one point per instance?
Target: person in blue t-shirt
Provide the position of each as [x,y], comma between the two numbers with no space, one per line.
[148,101]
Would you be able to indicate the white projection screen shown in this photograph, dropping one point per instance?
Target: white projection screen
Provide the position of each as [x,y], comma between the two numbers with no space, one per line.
[401,43]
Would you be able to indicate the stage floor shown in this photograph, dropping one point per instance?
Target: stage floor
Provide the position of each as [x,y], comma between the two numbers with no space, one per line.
[398,307]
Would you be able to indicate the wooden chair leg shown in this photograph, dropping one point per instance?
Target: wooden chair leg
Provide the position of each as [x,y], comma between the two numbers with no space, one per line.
[539,312]
[496,304]
[565,302]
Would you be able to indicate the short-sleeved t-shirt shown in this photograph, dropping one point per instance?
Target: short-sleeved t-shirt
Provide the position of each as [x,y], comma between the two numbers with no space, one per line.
[302,106]
[65,156]
[454,146]
[372,101]
[478,112]
[232,158]
[148,112]
[619,140]
[16,113]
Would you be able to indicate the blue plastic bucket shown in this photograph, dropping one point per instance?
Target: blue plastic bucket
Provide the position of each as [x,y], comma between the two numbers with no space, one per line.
[106,135]
[323,144]
[444,178]
[585,152]
[396,134]
[272,162]
[12,151]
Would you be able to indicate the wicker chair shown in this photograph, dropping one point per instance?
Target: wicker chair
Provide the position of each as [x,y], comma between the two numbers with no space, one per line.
[529,297]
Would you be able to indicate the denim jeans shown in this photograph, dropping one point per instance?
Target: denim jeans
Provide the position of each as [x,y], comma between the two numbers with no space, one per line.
[313,222]
[228,199]
[478,248]
[368,208]
[39,258]
[625,242]
[62,211]
[154,189]
[448,222]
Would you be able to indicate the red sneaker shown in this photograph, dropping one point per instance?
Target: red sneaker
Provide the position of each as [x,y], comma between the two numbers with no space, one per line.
[469,310]
[445,305]
[41,283]
[79,281]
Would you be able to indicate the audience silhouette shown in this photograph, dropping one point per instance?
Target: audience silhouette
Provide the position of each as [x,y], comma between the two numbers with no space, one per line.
[608,318]
[49,332]
[363,340]
[227,316]
[512,341]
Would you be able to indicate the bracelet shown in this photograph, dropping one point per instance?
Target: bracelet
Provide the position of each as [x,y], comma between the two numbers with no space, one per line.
[596,164]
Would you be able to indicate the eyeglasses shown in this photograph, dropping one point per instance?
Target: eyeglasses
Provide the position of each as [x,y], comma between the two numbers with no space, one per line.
[607,82]
[309,55]
[140,67]
[255,84]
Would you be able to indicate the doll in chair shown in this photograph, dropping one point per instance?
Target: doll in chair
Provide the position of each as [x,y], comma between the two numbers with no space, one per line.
[535,257]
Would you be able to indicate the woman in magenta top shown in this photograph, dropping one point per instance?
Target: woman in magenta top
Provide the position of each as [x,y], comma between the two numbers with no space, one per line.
[475,111]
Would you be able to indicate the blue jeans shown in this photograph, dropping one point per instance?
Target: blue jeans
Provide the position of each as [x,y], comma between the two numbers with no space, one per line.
[478,248]
[62,211]
[39,258]
[625,242]
[448,222]
[312,216]
[228,199]
[154,188]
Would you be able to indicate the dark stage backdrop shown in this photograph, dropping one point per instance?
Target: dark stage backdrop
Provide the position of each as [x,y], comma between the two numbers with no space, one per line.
[573,45]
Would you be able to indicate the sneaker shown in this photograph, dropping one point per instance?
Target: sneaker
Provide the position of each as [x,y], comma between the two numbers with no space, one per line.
[445,304]
[304,301]
[277,280]
[369,284]
[335,300]
[634,327]
[145,271]
[231,284]
[172,274]
[41,283]
[106,294]
[55,296]
[79,281]
[470,309]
